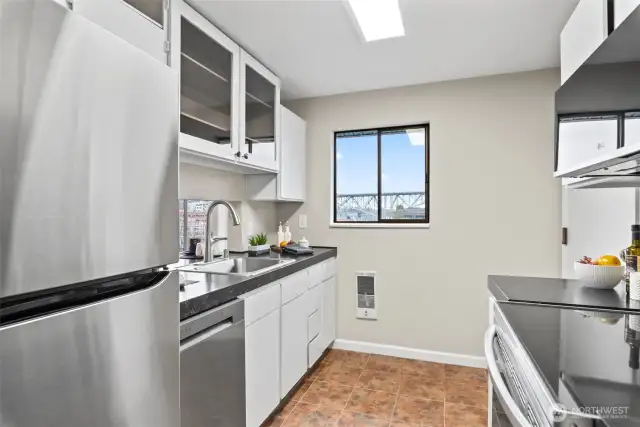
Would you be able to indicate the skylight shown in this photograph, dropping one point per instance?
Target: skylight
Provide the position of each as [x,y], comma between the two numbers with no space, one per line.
[378,19]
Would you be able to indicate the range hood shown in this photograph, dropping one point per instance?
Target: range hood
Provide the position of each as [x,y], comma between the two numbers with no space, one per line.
[606,90]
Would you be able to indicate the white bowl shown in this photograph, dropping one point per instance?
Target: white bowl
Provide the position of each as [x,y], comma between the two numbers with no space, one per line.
[599,276]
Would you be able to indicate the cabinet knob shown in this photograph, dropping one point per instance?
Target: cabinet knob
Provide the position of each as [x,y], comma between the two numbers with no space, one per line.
[238,154]
[245,156]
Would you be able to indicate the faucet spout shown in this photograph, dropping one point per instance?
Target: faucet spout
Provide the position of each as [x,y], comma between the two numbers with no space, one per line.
[208,252]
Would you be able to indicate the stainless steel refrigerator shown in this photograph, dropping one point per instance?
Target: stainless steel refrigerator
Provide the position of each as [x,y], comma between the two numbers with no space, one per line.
[89,318]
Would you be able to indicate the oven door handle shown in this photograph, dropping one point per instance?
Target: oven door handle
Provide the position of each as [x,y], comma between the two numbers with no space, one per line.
[498,382]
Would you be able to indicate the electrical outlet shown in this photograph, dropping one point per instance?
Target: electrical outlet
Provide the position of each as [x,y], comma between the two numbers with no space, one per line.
[302,221]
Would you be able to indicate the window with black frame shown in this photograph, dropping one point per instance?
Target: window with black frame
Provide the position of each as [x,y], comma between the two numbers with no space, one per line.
[381,175]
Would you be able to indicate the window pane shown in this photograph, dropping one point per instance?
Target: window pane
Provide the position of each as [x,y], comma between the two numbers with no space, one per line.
[403,157]
[197,218]
[356,176]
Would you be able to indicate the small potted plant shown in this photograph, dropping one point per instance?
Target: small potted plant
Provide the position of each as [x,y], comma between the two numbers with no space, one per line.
[258,244]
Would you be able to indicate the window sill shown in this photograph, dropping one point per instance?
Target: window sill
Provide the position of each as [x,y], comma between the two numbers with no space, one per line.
[378,225]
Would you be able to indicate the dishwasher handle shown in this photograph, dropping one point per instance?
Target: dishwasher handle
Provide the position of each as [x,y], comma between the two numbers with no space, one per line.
[210,322]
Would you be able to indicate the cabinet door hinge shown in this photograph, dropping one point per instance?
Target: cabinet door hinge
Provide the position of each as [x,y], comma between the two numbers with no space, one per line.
[167,46]
[565,235]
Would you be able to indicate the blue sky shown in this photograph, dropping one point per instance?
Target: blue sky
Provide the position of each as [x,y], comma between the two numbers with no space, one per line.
[403,164]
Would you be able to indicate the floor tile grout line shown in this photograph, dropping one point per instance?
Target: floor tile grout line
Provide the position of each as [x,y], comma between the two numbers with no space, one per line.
[393,410]
[286,417]
[352,389]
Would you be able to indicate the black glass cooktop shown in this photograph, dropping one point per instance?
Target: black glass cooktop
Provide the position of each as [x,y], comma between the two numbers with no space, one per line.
[594,356]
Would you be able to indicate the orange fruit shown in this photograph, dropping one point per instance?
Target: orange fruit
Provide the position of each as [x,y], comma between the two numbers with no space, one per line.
[283,244]
[610,260]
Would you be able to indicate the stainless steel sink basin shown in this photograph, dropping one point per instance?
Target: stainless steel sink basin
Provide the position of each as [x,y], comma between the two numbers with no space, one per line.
[237,266]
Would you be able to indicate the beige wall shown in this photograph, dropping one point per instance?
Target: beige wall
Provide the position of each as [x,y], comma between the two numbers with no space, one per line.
[495,208]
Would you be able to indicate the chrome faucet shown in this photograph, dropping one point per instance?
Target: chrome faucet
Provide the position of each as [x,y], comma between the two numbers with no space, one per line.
[208,252]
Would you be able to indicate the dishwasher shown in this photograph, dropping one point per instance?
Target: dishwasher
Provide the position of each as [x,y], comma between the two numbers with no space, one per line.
[212,368]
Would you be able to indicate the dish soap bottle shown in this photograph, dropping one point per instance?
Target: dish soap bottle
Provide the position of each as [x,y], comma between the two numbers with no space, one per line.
[280,234]
[631,254]
[287,233]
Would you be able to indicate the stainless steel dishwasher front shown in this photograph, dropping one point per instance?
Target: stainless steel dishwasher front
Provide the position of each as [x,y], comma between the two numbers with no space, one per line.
[212,369]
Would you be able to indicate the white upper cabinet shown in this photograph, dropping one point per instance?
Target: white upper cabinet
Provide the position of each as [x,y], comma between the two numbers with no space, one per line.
[230,103]
[291,182]
[259,114]
[622,9]
[209,94]
[585,30]
[141,23]
[293,158]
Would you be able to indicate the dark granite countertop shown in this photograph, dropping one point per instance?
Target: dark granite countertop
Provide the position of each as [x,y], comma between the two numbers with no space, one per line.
[591,356]
[560,292]
[207,291]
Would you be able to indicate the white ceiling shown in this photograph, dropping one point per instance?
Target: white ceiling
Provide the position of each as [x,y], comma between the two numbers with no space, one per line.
[315,48]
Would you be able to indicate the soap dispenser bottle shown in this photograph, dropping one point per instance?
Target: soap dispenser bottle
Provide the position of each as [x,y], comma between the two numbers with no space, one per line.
[280,234]
[287,233]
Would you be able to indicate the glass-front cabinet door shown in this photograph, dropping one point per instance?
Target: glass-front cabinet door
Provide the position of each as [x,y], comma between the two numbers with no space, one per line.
[208,88]
[259,115]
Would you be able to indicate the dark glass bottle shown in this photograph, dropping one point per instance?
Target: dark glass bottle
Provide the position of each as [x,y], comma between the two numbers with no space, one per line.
[631,254]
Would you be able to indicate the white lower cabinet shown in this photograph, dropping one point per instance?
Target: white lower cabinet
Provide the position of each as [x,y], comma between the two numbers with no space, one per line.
[262,356]
[328,332]
[295,314]
[289,325]
[327,294]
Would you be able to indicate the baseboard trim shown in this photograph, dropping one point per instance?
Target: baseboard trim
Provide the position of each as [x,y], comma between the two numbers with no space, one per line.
[411,353]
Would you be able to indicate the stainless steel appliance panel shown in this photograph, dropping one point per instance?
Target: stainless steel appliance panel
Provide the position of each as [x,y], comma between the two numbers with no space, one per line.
[111,364]
[212,368]
[88,151]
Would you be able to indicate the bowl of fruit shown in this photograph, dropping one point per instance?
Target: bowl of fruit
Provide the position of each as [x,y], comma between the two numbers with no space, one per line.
[602,273]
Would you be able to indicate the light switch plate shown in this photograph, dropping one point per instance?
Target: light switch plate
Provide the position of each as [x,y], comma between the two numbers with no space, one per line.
[302,221]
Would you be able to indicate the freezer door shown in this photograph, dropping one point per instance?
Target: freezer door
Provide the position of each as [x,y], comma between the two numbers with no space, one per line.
[115,363]
[88,151]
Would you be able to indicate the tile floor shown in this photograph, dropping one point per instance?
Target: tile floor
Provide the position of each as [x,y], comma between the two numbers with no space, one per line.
[351,389]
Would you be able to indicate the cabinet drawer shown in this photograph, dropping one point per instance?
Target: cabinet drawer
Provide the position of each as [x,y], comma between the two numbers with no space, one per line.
[294,286]
[329,269]
[314,299]
[261,302]
[315,275]
[314,325]
[315,350]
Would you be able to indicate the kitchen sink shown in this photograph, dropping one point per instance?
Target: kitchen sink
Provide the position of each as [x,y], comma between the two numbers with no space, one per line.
[237,266]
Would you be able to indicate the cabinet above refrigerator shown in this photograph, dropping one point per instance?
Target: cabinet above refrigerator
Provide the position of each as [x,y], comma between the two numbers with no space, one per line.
[598,114]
